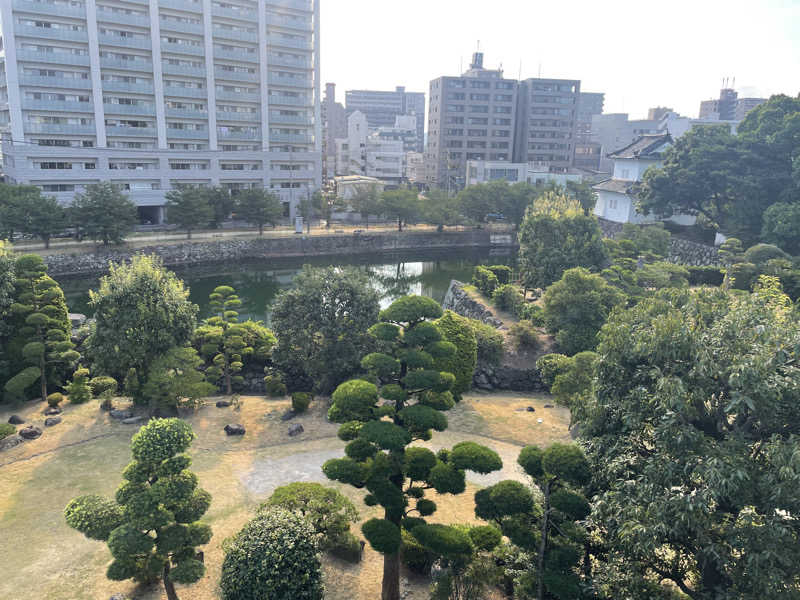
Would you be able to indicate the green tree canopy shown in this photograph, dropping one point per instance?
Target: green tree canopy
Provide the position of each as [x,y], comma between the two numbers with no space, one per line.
[103,212]
[403,205]
[44,216]
[14,200]
[142,310]
[221,203]
[259,207]
[691,431]
[152,527]
[441,209]
[781,226]
[366,201]
[188,208]
[322,324]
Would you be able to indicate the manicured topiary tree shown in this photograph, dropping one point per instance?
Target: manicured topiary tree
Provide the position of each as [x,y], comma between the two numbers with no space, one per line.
[78,389]
[152,527]
[548,529]
[43,328]
[456,330]
[379,435]
[222,340]
[274,557]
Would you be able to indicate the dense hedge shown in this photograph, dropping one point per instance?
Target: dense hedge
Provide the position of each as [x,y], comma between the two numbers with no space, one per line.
[490,342]
[456,330]
[6,429]
[502,272]
[507,297]
[484,280]
[705,276]
[301,401]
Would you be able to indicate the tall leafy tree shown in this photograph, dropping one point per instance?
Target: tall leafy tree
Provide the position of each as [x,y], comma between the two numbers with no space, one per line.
[441,209]
[42,328]
[13,202]
[380,457]
[555,236]
[582,191]
[188,207]
[7,280]
[781,226]
[307,210]
[402,205]
[322,324]
[142,310]
[325,203]
[221,203]
[259,207]
[44,216]
[152,527]
[692,431]
[105,213]
[366,202]
[176,381]
[478,201]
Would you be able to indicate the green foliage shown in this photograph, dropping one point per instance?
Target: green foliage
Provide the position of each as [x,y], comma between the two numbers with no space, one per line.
[13,212]
[502,272]
[709,389]
[103,213]
[550,366]
[78,389]
[175,380]
[152,528]
[55,399]
[258,207]
[103,383]
[731,251]
[648,240]
[443,540]
[781,226]
[761,253]
[508,298]
[661,275]
[574,379]
[221,202]
[188,207]
[484,280]
[322,326]
[348,548]
[441,209]
[6,429]
[403,205]
[44,216]
[273,383]
[287,567]
[742,276]
[327,510]
[411,311]
[382,535]
[712,276]
[458,331]
[490,342]
[524,335]
[576,307]
[556,238]
[469,456]
[301,401]
[415,556]
[142,311]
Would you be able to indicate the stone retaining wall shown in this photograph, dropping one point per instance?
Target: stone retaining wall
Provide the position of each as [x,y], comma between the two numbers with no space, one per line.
[457,300]
[681,252]
[191,253]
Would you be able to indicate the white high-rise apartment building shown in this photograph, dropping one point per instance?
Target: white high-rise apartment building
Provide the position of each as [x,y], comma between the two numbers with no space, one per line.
[151,94]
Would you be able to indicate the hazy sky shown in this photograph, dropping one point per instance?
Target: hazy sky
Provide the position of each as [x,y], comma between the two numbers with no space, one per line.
[641,53]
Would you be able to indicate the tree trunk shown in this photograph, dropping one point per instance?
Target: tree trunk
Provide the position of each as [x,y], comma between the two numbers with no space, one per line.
[543,542]
[228,387]
[390,589]
[169,587]
[43,377]
[188,234]
[46,241]
[260,229]
[399,224]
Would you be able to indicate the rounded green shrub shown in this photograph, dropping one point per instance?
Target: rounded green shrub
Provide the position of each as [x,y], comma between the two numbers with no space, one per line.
[508,298]
[382,535]
[347,547]
[761,253]
[415,556]
[484,280]
[94,516]
[502,272]
[705,276]
[524,335]
[274,385]
[300,401]
[6,429]
[743,275]
[102,384]
[55,399]
[550,366]
[490,342]
[274,556]
[78,389]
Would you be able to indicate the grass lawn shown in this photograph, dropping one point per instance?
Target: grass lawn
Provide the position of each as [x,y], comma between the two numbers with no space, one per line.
[86,453]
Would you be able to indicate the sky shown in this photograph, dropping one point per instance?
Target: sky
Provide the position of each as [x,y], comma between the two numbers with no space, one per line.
[641,53]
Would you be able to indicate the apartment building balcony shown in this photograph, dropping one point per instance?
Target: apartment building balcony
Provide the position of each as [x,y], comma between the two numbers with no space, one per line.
[225,134]
[50,33]
[238,116]
[148,110]
[122,131]
[302,120]
[276,40]
[230,13]
[278,175]
[235,75]
[187,113]
[124,86]
[57,106]
[296,4]
[127,65]
[297,138]
[186,70]
[119,41]
[107,16]
[42,8]
[295,82]
[255,97]
[189,49]
[238,55]
[289,23]
[180,26]
[59,128]
[184,92]
[184,5]
[289,100]
[57,58]
[55,82]
[190,134]
[229,34]
[287,61]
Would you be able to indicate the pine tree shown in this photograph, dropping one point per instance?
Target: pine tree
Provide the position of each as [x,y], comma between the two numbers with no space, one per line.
[224,339]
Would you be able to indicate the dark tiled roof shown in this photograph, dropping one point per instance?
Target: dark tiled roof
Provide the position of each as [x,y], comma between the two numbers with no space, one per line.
[614,185]
[646,146]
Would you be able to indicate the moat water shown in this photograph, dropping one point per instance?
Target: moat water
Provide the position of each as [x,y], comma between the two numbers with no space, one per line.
[258,282]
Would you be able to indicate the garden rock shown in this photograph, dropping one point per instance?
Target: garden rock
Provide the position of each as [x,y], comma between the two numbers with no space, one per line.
[52,410]
[223,403]
[236,429]
[30,432]
[118,597]
[51,421]
[288,415]
[10,442]
[530,409]
[132,420]
[548,406]
[295,429]
[121,414]
[15,420]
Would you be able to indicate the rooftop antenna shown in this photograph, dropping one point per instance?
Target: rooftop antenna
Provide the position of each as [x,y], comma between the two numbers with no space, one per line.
[520,69]
[540,69]
[733,85]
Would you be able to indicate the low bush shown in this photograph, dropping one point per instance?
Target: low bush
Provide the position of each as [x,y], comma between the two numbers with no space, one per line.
[706,276]
[550,366]
[274,385]
[55,399]
[456,330]
[78,389]
[502,272]
[743,275]
[6,429]
[484,280]
[761,253]
[415,556]
[102,384]
[508,298]
[524,335]
[490,342]
[533,313]
[301,401]
[347,547]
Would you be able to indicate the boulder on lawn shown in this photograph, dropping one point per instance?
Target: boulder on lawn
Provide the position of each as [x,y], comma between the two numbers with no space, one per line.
[288,415]
[530,409]
[223,403]
[235,429]
[10,442]
[30,432]
[15,420]
[295,429]
[548,406]
[52,410]
[52,421]
[132,420]
[121,414]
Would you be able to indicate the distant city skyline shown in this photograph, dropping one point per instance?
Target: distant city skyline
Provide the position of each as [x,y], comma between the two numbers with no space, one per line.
[640,57]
